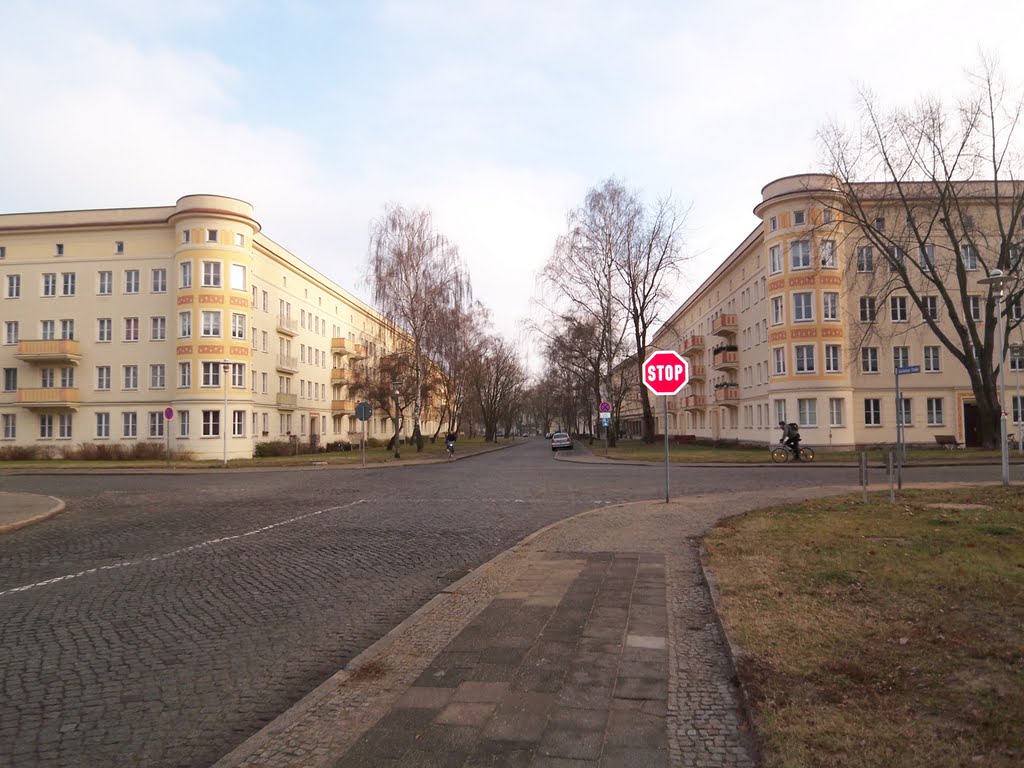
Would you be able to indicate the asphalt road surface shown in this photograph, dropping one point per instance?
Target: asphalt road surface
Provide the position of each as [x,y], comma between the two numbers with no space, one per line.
[163,619]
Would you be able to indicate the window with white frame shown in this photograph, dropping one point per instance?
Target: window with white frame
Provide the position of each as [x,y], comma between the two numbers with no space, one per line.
[263,341]
[210,322]
[186,236]
[10,426]
[238,423]
[835,411]
[46,378]
[211,374]
[975,302]
[67,376]
[185,274]
[10,379]
[1017,358]
[934,410]
[13,286]
[830,306]
[131,376]
[102,377]
[156,424]
[159,284]
[238,375]
[898,309]
[778,310]
[897,257]
[102,425]
[930,307]
[1017,408]
[184,421]
[803,308]
[931,359]
[774,260]
[211,274]
[927,255]
[263,383]
[11,332]
[237,276]
[157,376]
[129,424]
[803,355]
[869,359]
[64,426]
[826,216]
[46,426]
[48,330]
[211,235]
[969,256]
[119,246]
[50,284]
[828,254]
[67,329]
[158,328]
[900,357]
[833,357]
[807,410]
[865,259]
[131,281]
[773,224]
[131,329]
[237,326]
[105,284]
[800,254]
[798,218]
[867,309]
[211,423]
[1013,308]
[184,325]
[905,410]
[239,240]
[184,375]
[872,412]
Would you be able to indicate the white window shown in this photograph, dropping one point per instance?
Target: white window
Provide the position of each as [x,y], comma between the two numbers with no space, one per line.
[159,281]
[1016,358]
[119,246]
[774,260]
[238,423]
[106,283]
[67,377]
[211,235]
[156,424]
[11,332]
[46,426]
[975,308]
[50,284]
[900,357]
[803,309]
[237,326]
[804,358]
[969,256]
[186,236]
[10,426]
[930,307]
[64,425]
[185,274]
[800,254]
[184,421]
[131,281]
[10,379]
[897,258]
[67,329]
[833,355]
[184,325]
[158,328]
[927,256]
[211,374]
[898,309]
[103,377]
[46,378]
[934,410]
[826,216]
[867,309]
[263,341]
[773,224]
[872,412]
[778,310]
[238,277]
[780,410]
[102,425]
[157,376]
[185,375]
[904,410]
[13,286]
[828,254]
[211,423]
[263,383]
[807,408]
[211,274]
[131,329]
[48,330]
[835,411]
[830,306]
[869,359]
[239,239]
[865,259]
[131,377]
[798,218]
[1017,408]
[211,322]
[129,425]
[931,359]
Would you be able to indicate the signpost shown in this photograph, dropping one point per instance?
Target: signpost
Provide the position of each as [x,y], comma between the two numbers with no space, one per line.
[901,448]
[665,373]
[168,415]
[363,412]
[605,412]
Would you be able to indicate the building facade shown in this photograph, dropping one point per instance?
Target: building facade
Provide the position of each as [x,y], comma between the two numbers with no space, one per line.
[802,322]
[181,324]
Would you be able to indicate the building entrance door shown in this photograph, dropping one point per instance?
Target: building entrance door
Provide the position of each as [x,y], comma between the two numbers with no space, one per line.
[972,432]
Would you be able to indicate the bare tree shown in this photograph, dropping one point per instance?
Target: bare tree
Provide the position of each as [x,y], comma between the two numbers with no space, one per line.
[934,194]
[498,380]
[417,279]
[452,348]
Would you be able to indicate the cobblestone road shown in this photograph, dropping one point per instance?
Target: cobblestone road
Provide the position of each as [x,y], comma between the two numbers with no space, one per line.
[164,618]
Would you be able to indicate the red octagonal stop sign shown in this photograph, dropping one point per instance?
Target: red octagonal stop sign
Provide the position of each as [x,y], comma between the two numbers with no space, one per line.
[665,373]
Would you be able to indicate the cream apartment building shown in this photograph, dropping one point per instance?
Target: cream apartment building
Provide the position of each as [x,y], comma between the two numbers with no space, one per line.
[792,327]
[114,318]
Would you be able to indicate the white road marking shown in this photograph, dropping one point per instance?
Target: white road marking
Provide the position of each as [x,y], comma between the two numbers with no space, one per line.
[182,551]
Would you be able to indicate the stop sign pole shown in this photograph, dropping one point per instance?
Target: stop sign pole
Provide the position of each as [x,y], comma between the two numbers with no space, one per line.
[665,373]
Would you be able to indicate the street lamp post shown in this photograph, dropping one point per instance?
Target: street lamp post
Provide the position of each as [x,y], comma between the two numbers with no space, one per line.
[997,279]
[226,366]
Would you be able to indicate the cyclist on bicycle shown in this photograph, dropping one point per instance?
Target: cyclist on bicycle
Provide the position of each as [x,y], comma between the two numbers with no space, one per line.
[791,437]
[449,443]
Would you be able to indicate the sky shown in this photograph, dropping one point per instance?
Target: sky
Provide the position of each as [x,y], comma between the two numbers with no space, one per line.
[496,116]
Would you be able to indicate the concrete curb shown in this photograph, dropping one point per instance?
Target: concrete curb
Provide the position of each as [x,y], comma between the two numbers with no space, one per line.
[57,507]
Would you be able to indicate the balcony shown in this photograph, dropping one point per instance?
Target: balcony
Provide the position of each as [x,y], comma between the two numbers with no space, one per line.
[287,401]
[358,352]
[343,407]
[287,325]
[341,376]
[50,351]
[698,373]
[287,364]
[726,360]
[724,325]
[695,402]
[692,343]
[345,347]
[728,396]
[49,397]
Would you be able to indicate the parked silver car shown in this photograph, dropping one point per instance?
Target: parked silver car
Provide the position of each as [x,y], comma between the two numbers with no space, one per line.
[561,441]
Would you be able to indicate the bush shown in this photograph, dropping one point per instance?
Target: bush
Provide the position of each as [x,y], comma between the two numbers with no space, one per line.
[338,445]
[373,442]
[22,453]
[273,448]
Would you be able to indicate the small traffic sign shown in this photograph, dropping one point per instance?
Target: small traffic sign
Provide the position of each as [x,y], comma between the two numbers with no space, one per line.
[606,407]
[364,411]
[665,373]
[908,369]
[168,413]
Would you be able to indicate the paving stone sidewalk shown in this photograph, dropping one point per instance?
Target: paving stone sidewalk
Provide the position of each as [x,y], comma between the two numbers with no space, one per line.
[591,643]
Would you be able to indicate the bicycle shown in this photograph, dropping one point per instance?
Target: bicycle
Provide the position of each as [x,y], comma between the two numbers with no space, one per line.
[451,449]
[783,453]
[1011,441]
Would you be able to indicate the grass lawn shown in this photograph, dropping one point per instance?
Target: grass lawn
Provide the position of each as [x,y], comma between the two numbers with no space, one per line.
[637,450]
[881,635]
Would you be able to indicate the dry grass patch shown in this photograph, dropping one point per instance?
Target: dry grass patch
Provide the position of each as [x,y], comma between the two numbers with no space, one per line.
[881,635]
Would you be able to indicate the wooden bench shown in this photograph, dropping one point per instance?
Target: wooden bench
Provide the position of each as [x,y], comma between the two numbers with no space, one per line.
[948,441]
